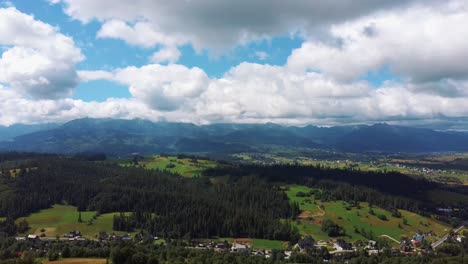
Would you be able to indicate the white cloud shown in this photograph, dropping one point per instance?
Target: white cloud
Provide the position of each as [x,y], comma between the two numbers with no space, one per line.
[320,84]
[140,33]
[95,75]
[253,92]
[247,93]
[421,44]
[167,54]
[165,88]
[38,61]
[261,55]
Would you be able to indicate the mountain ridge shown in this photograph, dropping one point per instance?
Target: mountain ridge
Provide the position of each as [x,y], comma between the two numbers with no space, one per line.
[121,137]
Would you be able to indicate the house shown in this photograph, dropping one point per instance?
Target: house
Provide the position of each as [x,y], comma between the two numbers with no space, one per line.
[341,244]
[371,245]
[405,246]
[236,247]
[72,234]
[417,240]
[306,243]
[33,237]
[222,247]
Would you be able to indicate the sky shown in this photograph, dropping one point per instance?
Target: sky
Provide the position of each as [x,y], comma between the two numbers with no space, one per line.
[325,63]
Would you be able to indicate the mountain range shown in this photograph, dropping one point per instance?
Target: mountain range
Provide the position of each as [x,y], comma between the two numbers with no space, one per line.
[117,137]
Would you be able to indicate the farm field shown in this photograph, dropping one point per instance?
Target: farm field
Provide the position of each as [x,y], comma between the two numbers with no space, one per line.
[358,220]
[186,167]
[77,261]
[61,219]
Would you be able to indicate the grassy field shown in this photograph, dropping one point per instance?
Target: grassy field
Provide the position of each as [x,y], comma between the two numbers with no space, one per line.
[61,219]
[354,220]
[306,204]
[257,243]
[269,244]
[77,261]
[186,167]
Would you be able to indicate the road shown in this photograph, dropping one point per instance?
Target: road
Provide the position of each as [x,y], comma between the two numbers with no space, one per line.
[391,238]
[442,240]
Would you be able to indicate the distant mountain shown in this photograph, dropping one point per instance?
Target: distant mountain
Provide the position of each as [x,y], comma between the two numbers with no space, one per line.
[10,132]
[383,137]
[123,137]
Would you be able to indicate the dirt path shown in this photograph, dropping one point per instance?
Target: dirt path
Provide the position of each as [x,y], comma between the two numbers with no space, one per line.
[321,213]
[391,238]
[305,215]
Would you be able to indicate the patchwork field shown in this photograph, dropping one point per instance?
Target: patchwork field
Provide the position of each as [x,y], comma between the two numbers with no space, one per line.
[451,169]
[61,219]
[186,167]
[358,220]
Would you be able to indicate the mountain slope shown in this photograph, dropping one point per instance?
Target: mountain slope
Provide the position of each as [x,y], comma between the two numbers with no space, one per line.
[123,137]
[10,132]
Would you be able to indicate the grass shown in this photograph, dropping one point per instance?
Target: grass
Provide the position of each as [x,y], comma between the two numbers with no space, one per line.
[61,219]
[77,261]
[269,244]
[256,243]
[353,218]
[186,167]
[305,203]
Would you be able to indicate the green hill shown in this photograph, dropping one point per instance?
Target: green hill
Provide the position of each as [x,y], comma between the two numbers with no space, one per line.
[360,222]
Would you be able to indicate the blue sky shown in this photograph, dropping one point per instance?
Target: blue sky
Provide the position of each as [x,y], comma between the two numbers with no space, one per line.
[205,61]
[107,54]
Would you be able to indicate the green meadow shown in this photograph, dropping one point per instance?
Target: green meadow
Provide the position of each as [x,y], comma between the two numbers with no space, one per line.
[185,167]
[355,220]
[61,219]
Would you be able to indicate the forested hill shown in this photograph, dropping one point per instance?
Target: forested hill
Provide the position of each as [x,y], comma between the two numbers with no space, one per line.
[250,207]
[123,137]
[226,201]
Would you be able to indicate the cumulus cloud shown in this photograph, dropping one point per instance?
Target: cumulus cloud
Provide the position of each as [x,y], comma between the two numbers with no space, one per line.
[38,60]
[165,88]
[95,75]
[215,24]
[167,54]
[424,43]
[255,93]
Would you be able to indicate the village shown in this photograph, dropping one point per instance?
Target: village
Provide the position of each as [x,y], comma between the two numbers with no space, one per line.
[416,246]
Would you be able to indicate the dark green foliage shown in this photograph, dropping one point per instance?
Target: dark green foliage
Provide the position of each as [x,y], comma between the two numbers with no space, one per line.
[382,217]
[332,229]
[301,194]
